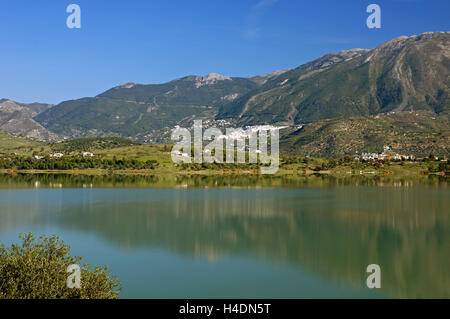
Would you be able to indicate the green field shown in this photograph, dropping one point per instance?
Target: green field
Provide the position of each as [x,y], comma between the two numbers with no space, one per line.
[124,157]
[19,145]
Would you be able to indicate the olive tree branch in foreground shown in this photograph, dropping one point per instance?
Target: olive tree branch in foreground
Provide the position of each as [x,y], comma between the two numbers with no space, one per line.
[36,269]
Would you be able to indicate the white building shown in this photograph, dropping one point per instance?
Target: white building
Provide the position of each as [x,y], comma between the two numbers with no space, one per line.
[88,154]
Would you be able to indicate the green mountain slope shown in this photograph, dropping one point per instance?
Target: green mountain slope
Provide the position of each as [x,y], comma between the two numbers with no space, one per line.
[407,133]
[407,73]
[141,111]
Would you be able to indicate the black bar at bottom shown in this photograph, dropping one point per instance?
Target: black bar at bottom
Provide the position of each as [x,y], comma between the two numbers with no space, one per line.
[233,308]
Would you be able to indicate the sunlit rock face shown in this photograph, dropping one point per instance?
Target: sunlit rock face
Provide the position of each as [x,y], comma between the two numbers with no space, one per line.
[210,79]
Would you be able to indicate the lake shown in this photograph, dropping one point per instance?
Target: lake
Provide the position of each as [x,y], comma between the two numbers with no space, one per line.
[244,237]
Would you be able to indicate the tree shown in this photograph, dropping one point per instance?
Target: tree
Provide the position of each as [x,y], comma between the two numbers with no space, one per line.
[332,163]
[36,269]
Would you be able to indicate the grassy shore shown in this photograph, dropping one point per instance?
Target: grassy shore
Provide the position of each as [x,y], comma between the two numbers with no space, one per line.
[402,169]
[161,164]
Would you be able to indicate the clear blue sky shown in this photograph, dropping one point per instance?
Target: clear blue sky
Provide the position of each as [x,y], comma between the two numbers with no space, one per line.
[154,41]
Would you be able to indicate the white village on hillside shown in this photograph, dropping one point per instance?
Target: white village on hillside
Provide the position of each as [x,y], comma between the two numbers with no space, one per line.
[387,154]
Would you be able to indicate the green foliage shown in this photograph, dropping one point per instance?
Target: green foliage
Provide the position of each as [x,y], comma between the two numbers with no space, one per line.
[69,163]
[219,166]
[92,143]
[36,269]
[8,141]
[439,167]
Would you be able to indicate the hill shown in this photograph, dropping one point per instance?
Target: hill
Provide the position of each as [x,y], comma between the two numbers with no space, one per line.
[9,143]
[31,109]
[139,111]
[17,118]
[407,73]
[407,133]
[92,144]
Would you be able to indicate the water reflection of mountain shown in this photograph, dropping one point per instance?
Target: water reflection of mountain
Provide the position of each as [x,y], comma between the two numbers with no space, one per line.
[334,233]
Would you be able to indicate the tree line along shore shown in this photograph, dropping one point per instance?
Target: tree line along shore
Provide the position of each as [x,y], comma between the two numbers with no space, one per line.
[294,165]
[102,156]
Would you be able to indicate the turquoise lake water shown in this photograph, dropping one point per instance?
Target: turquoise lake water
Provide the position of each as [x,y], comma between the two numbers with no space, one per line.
[273,242]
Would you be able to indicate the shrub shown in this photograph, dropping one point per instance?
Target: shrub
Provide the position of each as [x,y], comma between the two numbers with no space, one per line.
[332,163]
[36,269]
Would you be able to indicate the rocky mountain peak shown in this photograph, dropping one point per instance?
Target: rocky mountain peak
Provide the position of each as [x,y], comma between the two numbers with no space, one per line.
[7,105]
[128,85]
[210,79]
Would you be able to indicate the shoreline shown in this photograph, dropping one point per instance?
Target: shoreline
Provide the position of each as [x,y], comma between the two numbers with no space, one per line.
[280,173]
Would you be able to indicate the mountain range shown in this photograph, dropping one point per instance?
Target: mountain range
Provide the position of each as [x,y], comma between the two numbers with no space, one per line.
[139,111]
[17,118]
[406,74]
